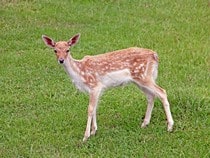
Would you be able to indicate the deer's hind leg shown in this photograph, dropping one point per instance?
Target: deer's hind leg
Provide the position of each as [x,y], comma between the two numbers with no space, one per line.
[161,94]
[152,90]
[150,105]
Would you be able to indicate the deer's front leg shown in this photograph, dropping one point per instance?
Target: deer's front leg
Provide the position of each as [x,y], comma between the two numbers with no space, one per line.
[89,121]
[93,102]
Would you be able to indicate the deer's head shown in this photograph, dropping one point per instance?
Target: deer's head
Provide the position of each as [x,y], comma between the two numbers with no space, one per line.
[61,48]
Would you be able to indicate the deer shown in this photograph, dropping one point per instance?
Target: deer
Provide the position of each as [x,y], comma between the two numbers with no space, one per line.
[94,74]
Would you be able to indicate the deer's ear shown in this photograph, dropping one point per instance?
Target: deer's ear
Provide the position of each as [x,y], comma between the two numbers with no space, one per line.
[74,40]
[48,41]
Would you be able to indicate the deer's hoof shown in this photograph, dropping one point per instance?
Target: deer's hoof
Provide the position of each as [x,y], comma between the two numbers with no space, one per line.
[85,139]
[170,127]
[93,132]
[144,124]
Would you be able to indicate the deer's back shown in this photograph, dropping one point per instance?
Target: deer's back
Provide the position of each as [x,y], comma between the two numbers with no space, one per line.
[118,60]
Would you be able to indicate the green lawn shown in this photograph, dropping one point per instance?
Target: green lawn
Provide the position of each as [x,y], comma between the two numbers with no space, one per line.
[43,115]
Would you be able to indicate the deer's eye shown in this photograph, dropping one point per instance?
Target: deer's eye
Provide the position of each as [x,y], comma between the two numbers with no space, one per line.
[67,51]
[55,51]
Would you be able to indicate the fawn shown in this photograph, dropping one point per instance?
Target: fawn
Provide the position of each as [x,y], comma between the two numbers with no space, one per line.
[93,74]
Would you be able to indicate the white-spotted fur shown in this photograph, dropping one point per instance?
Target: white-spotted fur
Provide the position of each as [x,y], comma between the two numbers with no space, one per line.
[93,74]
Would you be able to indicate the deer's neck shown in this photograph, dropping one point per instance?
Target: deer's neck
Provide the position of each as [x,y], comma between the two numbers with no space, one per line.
[72,69]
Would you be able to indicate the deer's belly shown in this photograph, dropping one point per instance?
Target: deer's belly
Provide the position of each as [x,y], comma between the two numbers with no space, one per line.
[116,78]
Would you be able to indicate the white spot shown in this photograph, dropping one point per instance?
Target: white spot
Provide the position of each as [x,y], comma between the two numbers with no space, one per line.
[82,73]
[141,65]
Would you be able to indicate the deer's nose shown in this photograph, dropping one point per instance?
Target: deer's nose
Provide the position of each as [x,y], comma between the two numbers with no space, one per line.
[61,61]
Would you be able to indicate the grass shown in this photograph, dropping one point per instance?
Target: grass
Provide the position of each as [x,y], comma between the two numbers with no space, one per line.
[42,114]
